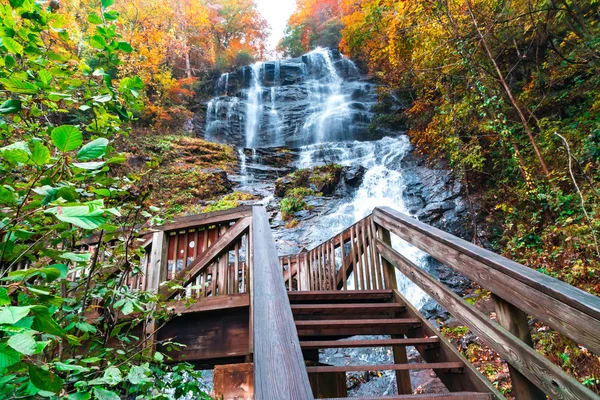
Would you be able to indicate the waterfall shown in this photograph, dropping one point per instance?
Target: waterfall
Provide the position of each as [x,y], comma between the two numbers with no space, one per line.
[254,106]
[321,105]
[382,185]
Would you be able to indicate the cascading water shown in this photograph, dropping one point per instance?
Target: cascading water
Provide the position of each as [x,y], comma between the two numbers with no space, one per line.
[321,108]
[254,106]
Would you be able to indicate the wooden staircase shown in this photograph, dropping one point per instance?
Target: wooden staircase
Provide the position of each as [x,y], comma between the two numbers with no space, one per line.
[327,319]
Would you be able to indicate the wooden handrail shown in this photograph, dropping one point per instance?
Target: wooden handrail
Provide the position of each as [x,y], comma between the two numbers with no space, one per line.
[537,369]
[565,308]
[279,370]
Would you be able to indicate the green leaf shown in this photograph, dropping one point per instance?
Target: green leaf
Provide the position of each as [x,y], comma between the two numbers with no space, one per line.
[126,47]
[90,166]
[107,3]
[11,315]
[12,45]
[6,196]
[19,86]
[93,18]
[70,367]
[45,380]
[103,394]
[139,374]
[10,107]
[77,257]
[45,76]
[40,154]
[43,322]
[8,356]
[67,138]
[79,396]
[98,42]
[92,150]
[24,343]
[4,298]
[82,216]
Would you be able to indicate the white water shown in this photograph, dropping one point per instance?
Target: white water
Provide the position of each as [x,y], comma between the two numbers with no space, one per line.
[254,106]
[382,185]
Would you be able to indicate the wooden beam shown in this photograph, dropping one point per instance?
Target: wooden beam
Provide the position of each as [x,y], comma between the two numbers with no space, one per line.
[338,344]
[211,218]
[387,367]
[279,371]
[222,244]
[547,376]
[571,311]
[212,303]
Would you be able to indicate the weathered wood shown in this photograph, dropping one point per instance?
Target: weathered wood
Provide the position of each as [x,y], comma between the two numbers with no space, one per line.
[458,366]
[234,382]
[351,327]
[327,385]
[431,396]
[567,309]
[332,284]
[278,362]
[515,321]
[211,255]
[208,218]
[343,266]
[547,376]
[336,344]
[210,304]
[348,296]
[207,336]
[377,308]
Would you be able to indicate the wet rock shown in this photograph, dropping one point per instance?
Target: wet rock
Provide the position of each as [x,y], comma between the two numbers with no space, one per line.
[282,185]
[353,175]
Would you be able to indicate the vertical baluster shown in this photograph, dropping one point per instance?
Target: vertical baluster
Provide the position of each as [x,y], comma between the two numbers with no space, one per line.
[333,266]
[360,256]
[372,255]
[343,266]
[365,255]
[354,255]
[378,260]
[299,276]
[289,263]
[324,274]
[236,273]
[282,268]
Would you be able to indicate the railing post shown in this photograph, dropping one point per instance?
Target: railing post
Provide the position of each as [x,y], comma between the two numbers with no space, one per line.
[389,272]
[156,274]
[515,321]
[400,356]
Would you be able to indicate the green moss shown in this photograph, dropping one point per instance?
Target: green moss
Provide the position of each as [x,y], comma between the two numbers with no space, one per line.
[221,205]
[290,205]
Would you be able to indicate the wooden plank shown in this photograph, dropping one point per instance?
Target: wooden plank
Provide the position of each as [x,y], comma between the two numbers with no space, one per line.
[208,218]
[547,376]
[210,304]
[334,344]
[279,371]
[348,296]
[233,381]
[355,260]
[515,321]
[236,269]
[429,396]
[332,285]
[387,367]
[567,309]
[343,266]
[370,263]
[210,256]
[360,308]
[211,335]
[471,381]
[352,323]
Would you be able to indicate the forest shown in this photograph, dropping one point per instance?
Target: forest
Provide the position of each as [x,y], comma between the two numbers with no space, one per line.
[505,94]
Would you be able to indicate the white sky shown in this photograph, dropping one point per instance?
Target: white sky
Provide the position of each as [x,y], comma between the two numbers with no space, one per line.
[276,12]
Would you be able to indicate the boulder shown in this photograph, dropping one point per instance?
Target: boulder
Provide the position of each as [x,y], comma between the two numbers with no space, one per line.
[353,175]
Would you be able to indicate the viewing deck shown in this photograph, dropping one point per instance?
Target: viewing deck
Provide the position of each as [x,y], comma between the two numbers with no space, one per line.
[260,319]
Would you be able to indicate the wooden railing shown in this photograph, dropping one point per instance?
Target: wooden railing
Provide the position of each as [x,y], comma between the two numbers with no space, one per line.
[362,257]
[213,255]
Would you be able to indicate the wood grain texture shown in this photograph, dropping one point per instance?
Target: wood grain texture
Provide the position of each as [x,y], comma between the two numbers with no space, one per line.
[567,309]
[547,376]
[220,245]
[432,396]
[339,344]
[279,371]
[387,367]
[207,218]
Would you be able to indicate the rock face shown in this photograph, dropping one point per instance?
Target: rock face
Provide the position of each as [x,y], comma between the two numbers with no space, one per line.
[318,97]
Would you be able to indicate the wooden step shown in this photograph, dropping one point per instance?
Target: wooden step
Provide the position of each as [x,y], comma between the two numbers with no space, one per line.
[351,327]
[344,308]
[335,344]
[386,367]
[347,296]
[430,396]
